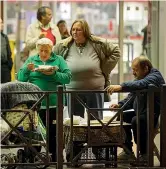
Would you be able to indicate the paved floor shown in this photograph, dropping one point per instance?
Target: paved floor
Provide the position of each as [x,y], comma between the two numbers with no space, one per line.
[88,166]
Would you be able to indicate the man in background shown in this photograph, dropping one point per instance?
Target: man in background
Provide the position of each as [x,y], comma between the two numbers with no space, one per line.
[63,29]
[145,40]
[6,60]
[42,28]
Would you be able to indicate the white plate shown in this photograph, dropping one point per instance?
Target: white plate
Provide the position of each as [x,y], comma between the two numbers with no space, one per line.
[46,68]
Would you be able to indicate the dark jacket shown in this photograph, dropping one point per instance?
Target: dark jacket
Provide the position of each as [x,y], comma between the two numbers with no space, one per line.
[145,38]
[6,59]
[155,78]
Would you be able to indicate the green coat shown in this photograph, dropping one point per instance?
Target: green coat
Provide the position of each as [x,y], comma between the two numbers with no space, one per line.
[46,82]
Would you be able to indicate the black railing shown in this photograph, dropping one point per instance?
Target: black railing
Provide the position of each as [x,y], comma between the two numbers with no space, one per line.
[59,122]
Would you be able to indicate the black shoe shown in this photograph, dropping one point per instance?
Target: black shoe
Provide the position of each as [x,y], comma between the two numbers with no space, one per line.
[124,156]
[53,157]
[142,161]
[143,158]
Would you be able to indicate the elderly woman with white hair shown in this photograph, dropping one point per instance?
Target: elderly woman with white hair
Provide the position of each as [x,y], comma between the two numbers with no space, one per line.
[46,70]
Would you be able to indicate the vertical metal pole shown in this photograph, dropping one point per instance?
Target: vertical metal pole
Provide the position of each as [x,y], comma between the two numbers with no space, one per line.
[54,11]
[154,50]
[162,38]
[121,125]
[163,127]
[4,15]
[59,129]
[88,123]
[47,124]
[132,51]
[121,35]
[138,124]
[71,111]
[2,6]
[150,125]
[17,58]
[128,57]
[39,3]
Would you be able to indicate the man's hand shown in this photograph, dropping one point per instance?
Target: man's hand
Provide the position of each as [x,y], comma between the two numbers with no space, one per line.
[113,88]
[114,106]
[31,66]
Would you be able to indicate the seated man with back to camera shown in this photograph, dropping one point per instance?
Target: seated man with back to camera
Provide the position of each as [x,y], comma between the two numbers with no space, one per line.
[145,75]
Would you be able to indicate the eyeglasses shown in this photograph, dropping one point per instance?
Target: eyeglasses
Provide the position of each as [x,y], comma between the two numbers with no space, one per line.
[77,30]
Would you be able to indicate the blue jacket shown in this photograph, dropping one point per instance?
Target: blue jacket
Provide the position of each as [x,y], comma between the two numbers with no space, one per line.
[155,78]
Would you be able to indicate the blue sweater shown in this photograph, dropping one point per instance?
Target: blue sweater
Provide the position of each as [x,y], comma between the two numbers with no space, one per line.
[155,78]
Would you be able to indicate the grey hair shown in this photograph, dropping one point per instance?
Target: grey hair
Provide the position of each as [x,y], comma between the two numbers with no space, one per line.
[143,61]
[44,41]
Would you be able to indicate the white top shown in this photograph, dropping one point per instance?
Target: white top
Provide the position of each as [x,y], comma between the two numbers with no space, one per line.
[32,36]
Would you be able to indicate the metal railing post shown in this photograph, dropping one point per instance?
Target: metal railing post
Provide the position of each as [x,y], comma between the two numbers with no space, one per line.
[138,125]
[59,128]
[163,127]
[121,36]
[71,111]
[150,125]
[47,124]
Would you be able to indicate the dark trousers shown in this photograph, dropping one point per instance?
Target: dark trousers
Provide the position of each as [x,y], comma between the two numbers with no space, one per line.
[130,117]
[52,130]
[92,100]
[5,74]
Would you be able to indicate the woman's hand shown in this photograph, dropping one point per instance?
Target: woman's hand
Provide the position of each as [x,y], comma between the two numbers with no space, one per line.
[113,88]
[31,66]
[50,71]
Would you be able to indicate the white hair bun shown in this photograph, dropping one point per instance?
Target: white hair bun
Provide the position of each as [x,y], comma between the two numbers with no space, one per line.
[44,41]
